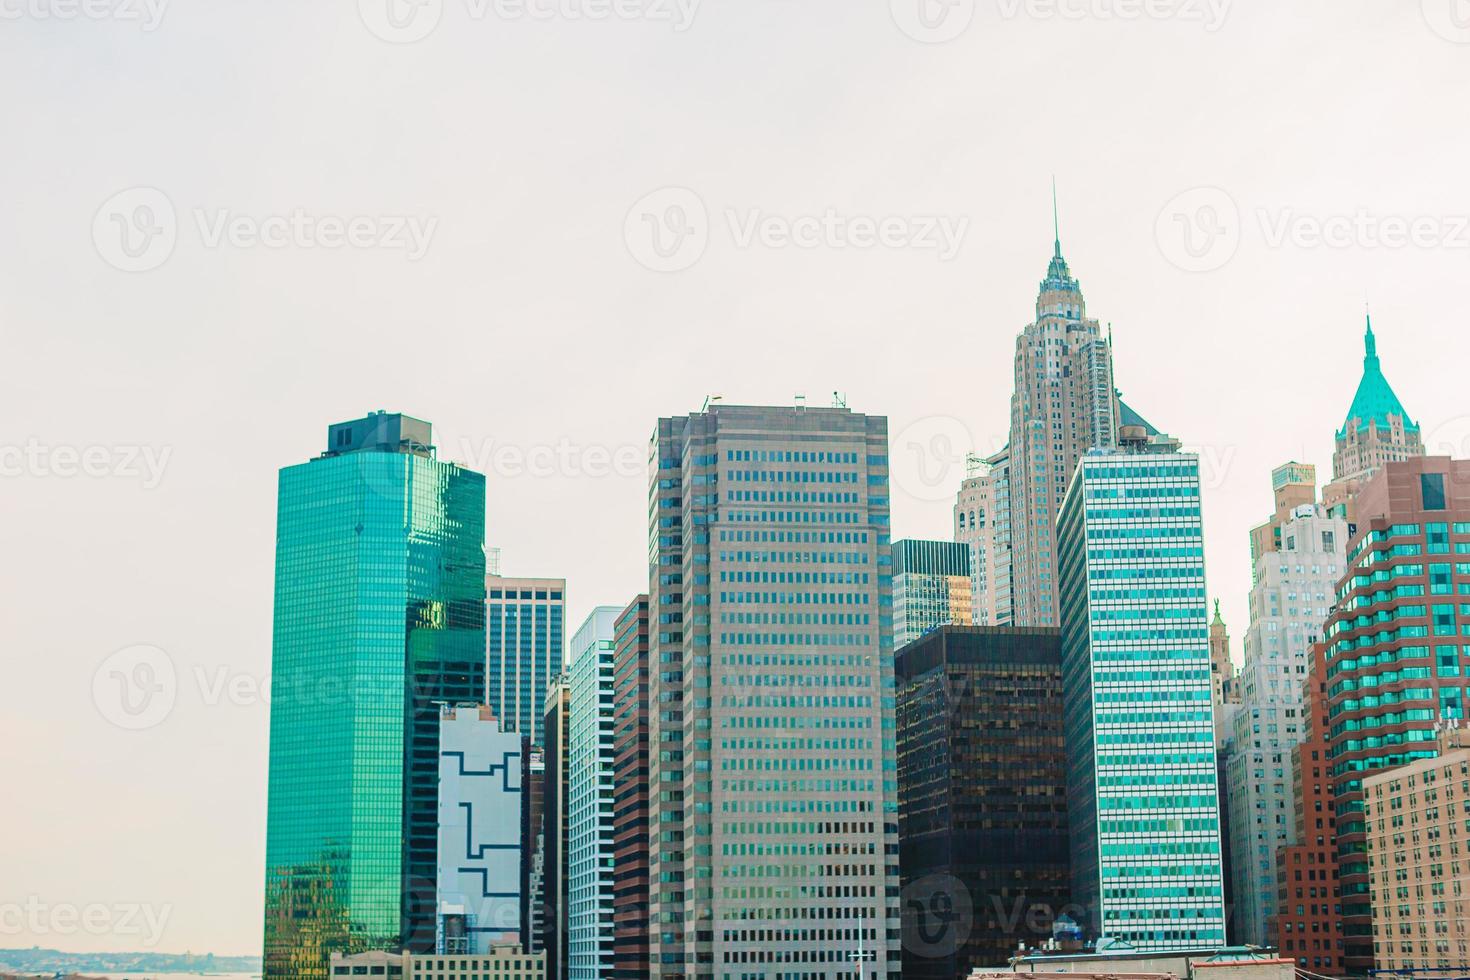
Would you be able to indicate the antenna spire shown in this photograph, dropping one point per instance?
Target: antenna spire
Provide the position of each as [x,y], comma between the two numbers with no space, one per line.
[1056,226]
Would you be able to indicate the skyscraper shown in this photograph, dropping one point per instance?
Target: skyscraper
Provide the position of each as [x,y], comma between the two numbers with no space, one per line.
[1143,806]
[630,793]
[982,789]
[379,615]
[982,522]
[556,729]
[1395,662]
[1377,431]
[590,799]
[1222,668]
[774,808]
[481,799]
[524,648]
[1293,584]
[931,587]
[1063,405]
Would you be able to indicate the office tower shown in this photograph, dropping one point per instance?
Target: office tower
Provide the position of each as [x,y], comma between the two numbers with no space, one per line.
[774,818]
[533,851]
[1377,430]
[379,615]
[1222,668]
[556,729]
[1308,923]
[1063,405]
[590,798]
[525,623]
[1394,660]
[481,798]
[1293,485]
[982,796]
[982,523]
[630,793]
[1292,590]
[931,587]
[1142,802]
[1421,901]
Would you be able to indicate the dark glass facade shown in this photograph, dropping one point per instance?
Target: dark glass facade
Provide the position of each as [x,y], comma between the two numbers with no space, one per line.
[982,795]
[555,841]
[379,614]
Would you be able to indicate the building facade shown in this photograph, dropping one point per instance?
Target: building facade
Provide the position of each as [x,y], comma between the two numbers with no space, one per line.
[590,799]
[982,790]
[506,961]
[931,587]
[555,842]
[982,523]
[1142,779]
[1418,836]
[1377,431]
[1308,922]
[481,798]
[774,801]
[1294,582]
[630,793]
[1396,660]
[379,616]
[1063,405]
[525,645]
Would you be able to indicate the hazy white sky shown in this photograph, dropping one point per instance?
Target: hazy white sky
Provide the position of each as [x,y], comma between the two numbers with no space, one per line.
[326,217]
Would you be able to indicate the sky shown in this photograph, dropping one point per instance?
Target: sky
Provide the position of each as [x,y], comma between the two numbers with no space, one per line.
[541,225]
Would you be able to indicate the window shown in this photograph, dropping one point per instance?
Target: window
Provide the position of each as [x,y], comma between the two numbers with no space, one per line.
[1431,485]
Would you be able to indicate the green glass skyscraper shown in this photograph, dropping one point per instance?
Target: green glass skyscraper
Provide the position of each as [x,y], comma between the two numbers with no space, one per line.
[379,615]
[1142,783]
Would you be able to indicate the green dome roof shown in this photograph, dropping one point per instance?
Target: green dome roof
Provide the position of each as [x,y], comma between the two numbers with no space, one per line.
[1375,400]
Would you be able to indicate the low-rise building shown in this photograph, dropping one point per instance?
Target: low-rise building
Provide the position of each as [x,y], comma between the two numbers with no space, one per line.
[1122,962]
[504,961]
[1418,830]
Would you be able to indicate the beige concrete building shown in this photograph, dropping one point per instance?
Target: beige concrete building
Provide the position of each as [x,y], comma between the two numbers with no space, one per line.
[982,523]
[1228,963]
[1418,822]
[503,962]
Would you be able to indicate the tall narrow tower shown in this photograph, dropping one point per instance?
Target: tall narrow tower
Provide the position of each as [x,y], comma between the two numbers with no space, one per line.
[1064,404]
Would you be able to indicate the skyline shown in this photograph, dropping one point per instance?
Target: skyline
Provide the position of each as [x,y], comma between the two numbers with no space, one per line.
[528,324]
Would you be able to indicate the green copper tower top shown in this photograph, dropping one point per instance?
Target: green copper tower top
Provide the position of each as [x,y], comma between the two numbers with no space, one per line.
[1375,400]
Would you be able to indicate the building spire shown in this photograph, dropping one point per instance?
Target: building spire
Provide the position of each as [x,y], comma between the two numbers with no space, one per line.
[1056,225]
[1370,343]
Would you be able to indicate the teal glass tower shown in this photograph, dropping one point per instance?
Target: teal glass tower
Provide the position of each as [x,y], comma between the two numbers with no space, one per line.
[379,617]
[1142,786]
